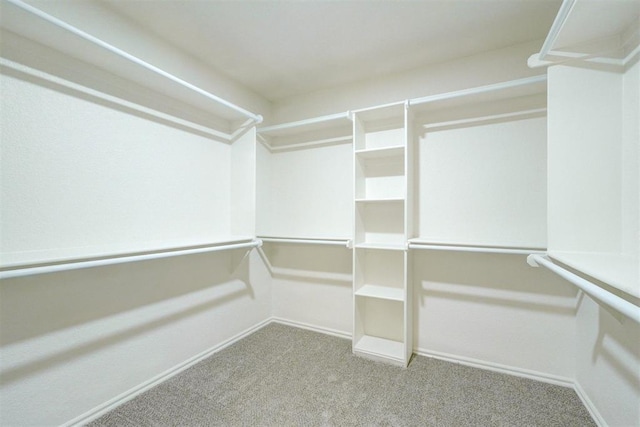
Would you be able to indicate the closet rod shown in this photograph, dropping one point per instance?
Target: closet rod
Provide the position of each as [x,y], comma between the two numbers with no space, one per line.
[101,43]
[333,242]
[477,249]
[614,301]
[29,271]
[479,90]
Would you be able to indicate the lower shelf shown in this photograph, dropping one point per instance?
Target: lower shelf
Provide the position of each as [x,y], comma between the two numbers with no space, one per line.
[380,349]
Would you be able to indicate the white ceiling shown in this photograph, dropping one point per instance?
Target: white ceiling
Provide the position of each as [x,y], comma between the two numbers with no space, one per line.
[285,48]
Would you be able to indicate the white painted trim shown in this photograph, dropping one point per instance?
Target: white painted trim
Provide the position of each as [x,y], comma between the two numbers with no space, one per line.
[497,367]
[475,363]
[591,407]
[139,389]
[309,327]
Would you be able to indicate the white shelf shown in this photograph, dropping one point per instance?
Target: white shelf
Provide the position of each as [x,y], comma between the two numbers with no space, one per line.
[591,30]
[382,246]
[380,348]
[380,153]
[37,24]
[381,292]
[381,200]
[613,269]
[307,125]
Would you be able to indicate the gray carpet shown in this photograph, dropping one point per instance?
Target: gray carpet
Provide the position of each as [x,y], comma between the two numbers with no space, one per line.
[284,376]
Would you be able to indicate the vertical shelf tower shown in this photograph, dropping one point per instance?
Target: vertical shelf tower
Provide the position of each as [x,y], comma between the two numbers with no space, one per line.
[383,225]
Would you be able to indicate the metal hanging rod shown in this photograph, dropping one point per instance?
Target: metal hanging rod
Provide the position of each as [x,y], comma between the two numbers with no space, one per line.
[113,49]
[332,242]
[614,301]
[53,268]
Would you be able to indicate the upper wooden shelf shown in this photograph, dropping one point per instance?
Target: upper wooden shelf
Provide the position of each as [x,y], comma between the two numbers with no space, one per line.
[597,30]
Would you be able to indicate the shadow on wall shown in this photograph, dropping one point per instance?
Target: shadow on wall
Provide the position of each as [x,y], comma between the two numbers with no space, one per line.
[618,343]
[491,279]
[308,262]
[37,305]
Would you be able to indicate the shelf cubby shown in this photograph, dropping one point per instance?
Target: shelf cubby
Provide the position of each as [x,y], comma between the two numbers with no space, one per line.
[380,223]
[380,263]
[380,177]
[380,329]
[379,274]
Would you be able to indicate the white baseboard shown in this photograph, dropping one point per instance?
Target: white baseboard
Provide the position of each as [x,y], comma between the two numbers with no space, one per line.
[509,370]
[314,328]
[593,410]
[497,367]
[130,394]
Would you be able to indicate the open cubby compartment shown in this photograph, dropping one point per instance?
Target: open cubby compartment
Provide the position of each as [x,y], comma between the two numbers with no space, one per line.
[379,128]
[380,223]
[379,331]
[380,177]
[380,274]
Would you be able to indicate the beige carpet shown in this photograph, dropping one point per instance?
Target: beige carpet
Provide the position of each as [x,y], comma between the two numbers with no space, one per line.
[284,376]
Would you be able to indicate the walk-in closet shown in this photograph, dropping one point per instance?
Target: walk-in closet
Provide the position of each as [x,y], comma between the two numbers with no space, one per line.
[320,212]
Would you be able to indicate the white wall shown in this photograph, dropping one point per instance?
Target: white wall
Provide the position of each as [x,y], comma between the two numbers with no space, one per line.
[80,177]
[83,176]
[307,192]
[608,364]
[311,285]
[606,220]
[484,184]
[74,340]
[495,311]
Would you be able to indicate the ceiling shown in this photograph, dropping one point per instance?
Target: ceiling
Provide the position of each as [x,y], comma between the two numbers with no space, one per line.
[281,49]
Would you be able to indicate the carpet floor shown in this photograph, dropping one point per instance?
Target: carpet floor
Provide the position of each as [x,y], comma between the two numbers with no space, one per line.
[284,376]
